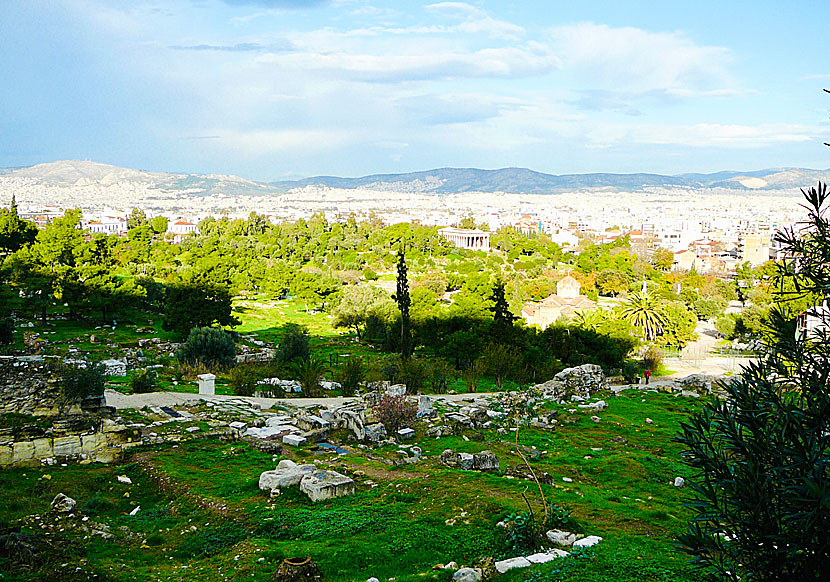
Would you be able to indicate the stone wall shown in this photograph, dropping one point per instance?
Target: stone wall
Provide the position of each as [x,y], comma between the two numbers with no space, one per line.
[72,439]
[29,386]
[40,427]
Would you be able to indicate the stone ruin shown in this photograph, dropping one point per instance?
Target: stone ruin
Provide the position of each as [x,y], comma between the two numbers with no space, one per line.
[80,431]
[582,381]
[317,484]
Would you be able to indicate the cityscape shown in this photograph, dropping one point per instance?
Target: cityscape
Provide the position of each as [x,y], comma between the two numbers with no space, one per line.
[414,291]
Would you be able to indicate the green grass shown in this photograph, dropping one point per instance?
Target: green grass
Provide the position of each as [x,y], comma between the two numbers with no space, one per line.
[201,507]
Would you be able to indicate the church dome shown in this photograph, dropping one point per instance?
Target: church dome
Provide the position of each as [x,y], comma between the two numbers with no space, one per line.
[568,287]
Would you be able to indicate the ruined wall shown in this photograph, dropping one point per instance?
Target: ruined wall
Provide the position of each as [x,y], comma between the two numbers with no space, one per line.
[73,439]
[39,427]
[28,385]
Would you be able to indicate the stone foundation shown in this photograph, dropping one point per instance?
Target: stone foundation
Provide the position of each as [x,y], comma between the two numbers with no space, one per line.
[75,439]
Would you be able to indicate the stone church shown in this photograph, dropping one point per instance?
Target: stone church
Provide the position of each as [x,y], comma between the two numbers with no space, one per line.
[567,301]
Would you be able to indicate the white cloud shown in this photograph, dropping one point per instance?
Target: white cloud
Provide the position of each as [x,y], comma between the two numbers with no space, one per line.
[264,141]
[531,59]
[709,134]
[474,20]
[634,60]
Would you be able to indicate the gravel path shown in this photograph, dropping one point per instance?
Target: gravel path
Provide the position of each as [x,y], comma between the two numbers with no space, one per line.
[120,401]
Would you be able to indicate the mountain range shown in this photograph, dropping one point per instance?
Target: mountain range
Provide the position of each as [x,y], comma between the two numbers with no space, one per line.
[438,181]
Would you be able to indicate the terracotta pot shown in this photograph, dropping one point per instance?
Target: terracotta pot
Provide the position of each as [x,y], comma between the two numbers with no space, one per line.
[297,570]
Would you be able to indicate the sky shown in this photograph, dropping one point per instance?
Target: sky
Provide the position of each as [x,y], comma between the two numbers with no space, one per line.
[281,89]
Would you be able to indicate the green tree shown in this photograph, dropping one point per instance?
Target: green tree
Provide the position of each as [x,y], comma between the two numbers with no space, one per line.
[662,259]
[678,327]
[137,217]
[643,311]
[503,318]
[14,232]
[612,282]
[53,255]
[357,304]
[402,299]
[209,346]
[761,456]
[97,285]
[189,305]
[294,345]
[159,224]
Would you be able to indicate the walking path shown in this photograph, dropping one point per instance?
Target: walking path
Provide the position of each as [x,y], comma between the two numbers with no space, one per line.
[121,401]
[695,358]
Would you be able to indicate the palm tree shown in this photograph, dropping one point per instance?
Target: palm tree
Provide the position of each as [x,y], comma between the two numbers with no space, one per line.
[644,312]
[309,373]
[589,319]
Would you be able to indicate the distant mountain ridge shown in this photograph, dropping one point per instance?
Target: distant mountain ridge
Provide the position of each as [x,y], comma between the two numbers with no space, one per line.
[523,180]
[438,181]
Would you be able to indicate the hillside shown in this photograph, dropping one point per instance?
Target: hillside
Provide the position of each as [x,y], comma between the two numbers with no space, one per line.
[437,181]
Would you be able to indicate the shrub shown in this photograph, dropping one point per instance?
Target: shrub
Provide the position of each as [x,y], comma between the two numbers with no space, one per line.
[440,374]
[473,374]
[309,373]
[97,506]
[143,381]
[294,345]
[79,382]
[209,346]
[6,331]
[370,275]
[395,412]
[759,457]
[652,358]
[561,517]
[350,374]
[502,362]
[412,373]
[243,379]
[518,535]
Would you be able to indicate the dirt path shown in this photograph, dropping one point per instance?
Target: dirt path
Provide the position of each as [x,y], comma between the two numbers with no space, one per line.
[696,357]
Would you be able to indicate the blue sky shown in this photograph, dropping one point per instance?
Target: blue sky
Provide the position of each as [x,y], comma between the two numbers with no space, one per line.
[274,89]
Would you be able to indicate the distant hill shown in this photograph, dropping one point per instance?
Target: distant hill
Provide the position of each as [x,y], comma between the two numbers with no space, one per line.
[438,181]
[522,180]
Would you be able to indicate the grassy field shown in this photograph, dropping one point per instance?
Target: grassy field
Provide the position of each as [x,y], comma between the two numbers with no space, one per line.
[202,516]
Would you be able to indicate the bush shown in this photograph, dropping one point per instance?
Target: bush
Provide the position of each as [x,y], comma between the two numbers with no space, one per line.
[473,374]
[652,358]
[395,412]
[294,345]
[209,346]
[370,275]
[350,374]
[243,379]
[502,363]
[518,535]
[6,331]
[309,373]
[759,457]
[440,374]
[143,381]
[79,382]
[412,373]
[560,517]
